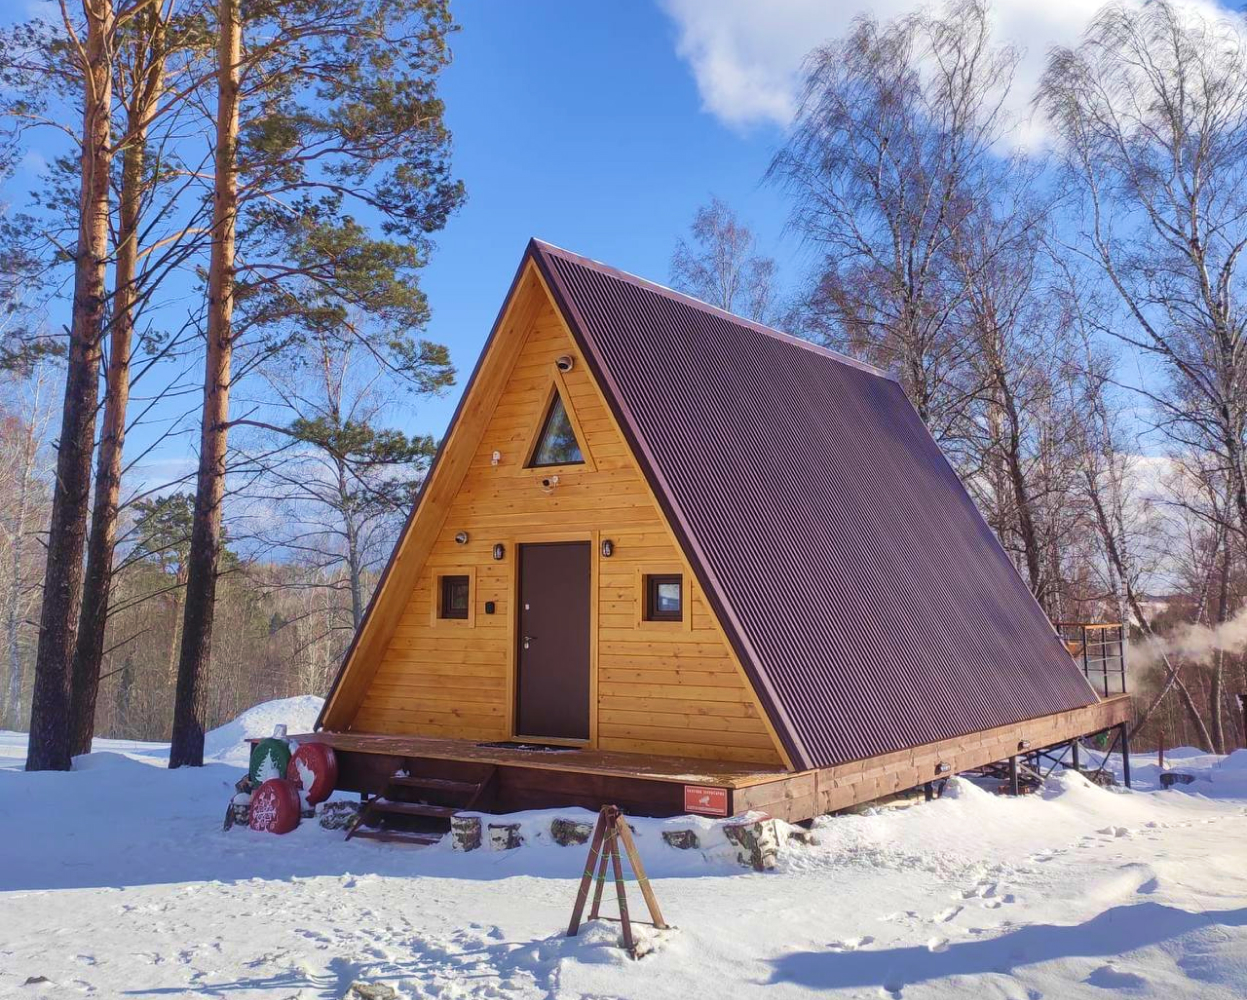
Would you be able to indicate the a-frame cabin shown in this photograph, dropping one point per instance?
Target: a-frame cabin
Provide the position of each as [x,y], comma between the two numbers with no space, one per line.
[672,559]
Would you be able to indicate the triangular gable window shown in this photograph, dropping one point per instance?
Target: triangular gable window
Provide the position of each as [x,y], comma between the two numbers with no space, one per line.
[557,444]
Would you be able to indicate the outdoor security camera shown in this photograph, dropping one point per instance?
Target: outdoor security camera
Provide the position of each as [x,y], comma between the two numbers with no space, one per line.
[549,483]
[565,362]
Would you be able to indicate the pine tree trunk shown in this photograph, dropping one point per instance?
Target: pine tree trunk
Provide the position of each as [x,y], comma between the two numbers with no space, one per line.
[99,572]
[67,527]
[205,548]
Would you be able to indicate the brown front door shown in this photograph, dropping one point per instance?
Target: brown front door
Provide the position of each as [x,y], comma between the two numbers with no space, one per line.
[552,684]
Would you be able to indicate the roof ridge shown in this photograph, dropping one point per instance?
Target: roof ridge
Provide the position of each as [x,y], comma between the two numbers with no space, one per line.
[634,279]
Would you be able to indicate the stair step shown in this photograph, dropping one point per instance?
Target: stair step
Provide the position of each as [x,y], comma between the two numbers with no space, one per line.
[436,784]
[397,836]
[412,809]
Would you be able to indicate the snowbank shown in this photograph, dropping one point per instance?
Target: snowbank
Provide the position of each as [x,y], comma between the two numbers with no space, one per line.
[228,743]
[116,879]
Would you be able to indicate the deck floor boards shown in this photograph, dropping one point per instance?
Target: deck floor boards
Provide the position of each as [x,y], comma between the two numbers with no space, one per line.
[784,794]
[680,770]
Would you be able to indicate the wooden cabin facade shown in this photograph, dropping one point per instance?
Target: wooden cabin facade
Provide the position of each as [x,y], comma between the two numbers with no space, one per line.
[563,621]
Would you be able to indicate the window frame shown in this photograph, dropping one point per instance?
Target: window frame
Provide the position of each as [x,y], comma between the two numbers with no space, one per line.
[556,399]
[557,387]
[651,583]
[446,581]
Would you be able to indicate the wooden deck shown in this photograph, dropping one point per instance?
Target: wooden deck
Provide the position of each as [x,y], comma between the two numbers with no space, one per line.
[644,784]
[647,767]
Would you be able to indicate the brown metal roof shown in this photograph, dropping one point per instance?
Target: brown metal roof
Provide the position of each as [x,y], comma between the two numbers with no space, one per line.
[867,598]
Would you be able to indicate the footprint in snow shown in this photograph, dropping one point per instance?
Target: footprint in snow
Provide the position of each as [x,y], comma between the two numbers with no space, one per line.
[944,916]
[851,944]
[1108,978]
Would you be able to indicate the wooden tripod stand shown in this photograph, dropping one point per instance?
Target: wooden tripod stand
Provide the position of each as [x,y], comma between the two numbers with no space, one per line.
[612,828]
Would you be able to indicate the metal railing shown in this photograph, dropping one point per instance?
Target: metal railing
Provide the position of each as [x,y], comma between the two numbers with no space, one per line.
[1100,649]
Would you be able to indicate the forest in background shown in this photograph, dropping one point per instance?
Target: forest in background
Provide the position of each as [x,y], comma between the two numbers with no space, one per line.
[1067,321]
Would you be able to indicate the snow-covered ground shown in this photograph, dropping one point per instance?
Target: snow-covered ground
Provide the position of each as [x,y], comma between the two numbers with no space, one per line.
[116,880]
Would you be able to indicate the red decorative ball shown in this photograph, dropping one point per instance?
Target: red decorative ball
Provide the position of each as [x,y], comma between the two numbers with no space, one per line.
[275,806]
[314,768]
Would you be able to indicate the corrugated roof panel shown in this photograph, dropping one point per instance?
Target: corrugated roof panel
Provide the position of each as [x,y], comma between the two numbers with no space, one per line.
[867,596]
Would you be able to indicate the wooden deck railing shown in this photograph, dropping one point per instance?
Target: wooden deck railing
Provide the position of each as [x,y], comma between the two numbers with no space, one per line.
[1100,649]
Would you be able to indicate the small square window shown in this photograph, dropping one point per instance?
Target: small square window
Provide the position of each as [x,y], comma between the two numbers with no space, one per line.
[455,597]
[664,598]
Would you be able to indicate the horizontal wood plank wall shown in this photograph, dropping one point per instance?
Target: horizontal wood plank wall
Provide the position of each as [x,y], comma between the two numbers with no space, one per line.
[662,688]
[393,592]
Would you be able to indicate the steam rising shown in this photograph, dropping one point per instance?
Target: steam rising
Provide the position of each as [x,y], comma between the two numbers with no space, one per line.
[1193,643]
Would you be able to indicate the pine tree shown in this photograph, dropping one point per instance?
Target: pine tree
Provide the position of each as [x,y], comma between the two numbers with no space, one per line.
[328,121]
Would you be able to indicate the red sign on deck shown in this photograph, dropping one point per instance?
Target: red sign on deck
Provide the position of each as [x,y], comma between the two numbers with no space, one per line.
[704,800]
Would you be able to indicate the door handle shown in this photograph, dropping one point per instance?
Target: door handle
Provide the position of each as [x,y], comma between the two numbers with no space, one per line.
[528,639]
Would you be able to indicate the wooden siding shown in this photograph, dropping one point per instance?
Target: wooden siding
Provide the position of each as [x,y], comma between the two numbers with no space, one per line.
[812,793]
[656,687]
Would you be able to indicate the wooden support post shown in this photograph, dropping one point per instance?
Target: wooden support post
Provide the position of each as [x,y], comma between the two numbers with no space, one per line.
[1073,747]
[928,791]
[612,830]
[595,846]
[624,919]
[1013,776]
[600,884]
[1125,753]
[638,869]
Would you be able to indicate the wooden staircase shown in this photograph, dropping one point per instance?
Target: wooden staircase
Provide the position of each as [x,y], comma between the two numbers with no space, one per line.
[417,809]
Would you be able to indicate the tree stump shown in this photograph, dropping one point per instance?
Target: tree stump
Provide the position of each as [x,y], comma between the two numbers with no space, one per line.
[683,840]
[465,833]
[504,836]
[567,832]
[757,843]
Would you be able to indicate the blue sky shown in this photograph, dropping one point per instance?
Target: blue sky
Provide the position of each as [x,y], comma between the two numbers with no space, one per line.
[578,123]
[602,126]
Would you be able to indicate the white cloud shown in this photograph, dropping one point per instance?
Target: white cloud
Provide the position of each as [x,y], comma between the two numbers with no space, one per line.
[746,55]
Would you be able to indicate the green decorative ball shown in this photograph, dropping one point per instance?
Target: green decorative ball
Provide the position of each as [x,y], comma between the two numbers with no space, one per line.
[269,759]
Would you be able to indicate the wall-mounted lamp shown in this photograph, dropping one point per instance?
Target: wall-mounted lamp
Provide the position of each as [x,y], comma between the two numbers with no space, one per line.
[500,550]
[495,458]
[461,538]
[1024,744]
[548,484]
[943,767]
[608,548]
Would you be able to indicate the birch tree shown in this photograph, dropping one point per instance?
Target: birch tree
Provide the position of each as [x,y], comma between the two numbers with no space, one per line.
[720,264]
[1151,113]
[892,147]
